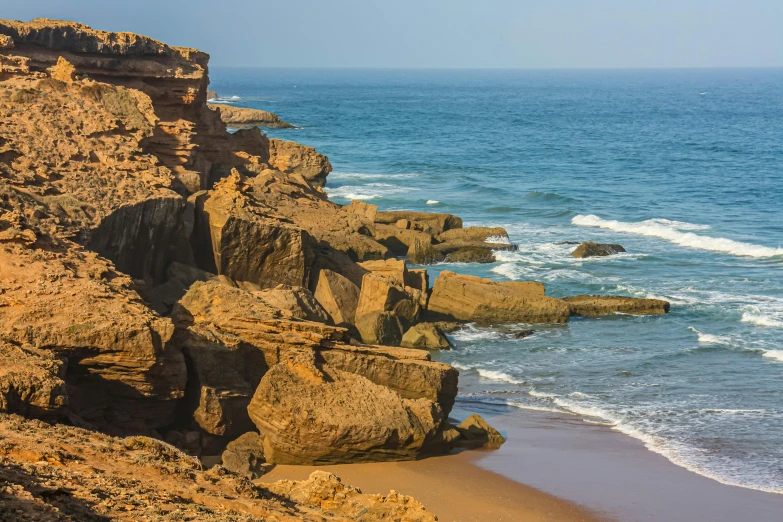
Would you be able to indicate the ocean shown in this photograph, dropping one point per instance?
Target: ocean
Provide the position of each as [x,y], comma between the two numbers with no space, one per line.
[684,168]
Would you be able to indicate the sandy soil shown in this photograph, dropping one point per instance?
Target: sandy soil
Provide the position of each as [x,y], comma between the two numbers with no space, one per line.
[453,488]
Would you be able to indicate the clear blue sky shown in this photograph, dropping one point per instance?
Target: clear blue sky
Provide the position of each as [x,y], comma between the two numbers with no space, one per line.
[445,33]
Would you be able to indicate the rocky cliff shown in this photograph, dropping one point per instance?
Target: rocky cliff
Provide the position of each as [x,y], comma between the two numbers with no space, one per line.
[161,277]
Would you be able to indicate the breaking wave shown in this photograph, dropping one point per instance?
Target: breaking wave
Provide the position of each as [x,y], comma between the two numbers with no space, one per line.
[673,231]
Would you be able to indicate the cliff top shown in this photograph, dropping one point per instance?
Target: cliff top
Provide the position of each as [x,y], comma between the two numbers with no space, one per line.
[79,38]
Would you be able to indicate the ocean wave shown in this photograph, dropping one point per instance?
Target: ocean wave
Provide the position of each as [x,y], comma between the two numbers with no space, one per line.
[674,234]
[367,191]
[498,240]
[498,376]
[432,201]
[225,99]
[548,196]
[363,175]
[676,452]
[492,375]
[469,333]
[774,354]
[705,338]
[753,315]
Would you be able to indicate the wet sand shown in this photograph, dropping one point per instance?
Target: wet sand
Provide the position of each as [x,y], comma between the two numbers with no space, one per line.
[453,488]
[608,471]
[555,468]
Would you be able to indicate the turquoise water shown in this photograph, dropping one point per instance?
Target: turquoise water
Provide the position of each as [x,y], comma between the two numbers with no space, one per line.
[683,167]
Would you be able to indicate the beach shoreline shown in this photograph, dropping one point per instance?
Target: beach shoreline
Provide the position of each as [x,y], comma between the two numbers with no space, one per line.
[554,467]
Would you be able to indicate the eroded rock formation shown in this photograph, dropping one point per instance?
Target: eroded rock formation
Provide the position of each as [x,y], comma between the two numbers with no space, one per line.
[243,117]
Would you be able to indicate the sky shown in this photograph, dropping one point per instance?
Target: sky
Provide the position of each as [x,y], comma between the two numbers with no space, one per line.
[445,33]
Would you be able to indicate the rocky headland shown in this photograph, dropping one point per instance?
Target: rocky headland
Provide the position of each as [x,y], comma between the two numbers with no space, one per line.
[243,117]
[169,289]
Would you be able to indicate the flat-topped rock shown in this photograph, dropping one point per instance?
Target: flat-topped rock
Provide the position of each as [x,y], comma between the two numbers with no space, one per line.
[473,299]
[594,305]
[243,117]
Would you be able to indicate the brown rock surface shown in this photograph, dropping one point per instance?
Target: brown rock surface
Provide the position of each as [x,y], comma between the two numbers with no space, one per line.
[243,323]
[424,221]
[338,296]
[593,305]
[54,473]
[350,419]
[243,117]
[292,158]
[471,254]
[381,293]
[475,432]
[122,369]
[379,327]
[469,298]
[31,383]
[426,336]
[590,249]
[245,455]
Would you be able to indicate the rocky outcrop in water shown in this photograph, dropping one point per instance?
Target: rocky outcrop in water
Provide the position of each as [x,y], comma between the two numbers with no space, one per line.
[595,305]
[243,117]
[590,249]
[473,299]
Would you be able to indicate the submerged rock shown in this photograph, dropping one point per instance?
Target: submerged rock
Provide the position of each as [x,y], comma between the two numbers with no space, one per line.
[590,249]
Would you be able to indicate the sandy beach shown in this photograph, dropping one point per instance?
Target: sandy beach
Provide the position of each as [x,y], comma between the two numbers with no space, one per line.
[454,488]
[556,468]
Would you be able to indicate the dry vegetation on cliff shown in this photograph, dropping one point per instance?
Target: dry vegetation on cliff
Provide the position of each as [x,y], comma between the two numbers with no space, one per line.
[161,277]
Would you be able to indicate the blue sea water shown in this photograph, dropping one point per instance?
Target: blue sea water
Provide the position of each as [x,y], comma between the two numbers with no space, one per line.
[682,167]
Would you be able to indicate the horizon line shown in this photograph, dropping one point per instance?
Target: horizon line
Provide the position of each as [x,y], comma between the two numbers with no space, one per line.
[417,68]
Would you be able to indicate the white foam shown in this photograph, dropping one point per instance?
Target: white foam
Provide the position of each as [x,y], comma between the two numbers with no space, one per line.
[774,354]
[432,201]
[469,333]
[498,240]
[368,191]
[364,175]
[760,319]
[705,338]
[679,225]
[673,233]
[498,376]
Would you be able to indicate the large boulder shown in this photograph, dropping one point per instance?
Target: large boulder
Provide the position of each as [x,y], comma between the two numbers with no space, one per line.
[380,293]
[590,249]
[457,297]
[594,305]
[338,296]
[245,455]
[31,383]
[426,336]
[475,432]
[246,244]
[254,336]
[348,417]
[379,327]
